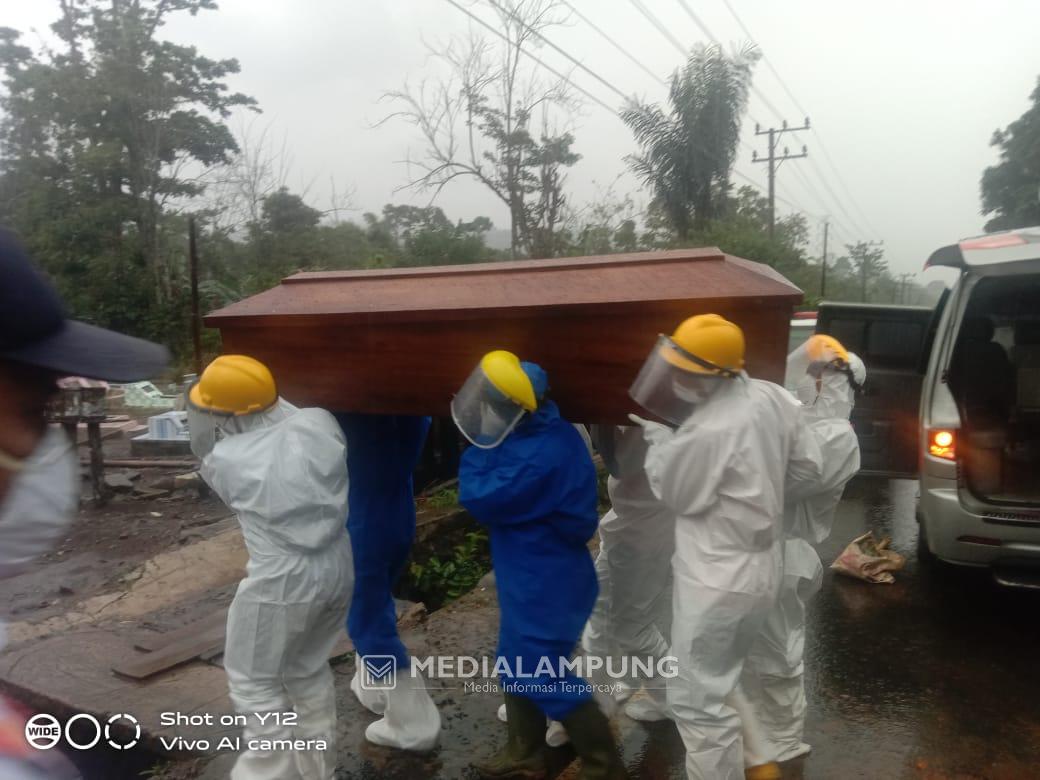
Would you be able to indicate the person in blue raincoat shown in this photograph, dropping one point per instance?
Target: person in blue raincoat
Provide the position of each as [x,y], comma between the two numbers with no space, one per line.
[382,452]
[529,478]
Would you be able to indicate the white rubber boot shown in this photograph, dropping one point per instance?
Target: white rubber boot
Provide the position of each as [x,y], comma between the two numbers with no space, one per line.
[373,701]
[649,705]
[411,720]
[556,734]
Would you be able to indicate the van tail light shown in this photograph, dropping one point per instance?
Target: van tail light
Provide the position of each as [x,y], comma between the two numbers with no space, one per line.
[942,443]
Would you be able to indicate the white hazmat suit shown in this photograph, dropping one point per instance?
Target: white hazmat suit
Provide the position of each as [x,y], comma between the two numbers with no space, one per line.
[773,679]
[723,473]
[632,617]
[284,474]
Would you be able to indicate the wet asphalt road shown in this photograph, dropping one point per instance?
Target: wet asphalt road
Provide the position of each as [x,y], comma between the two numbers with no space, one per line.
[932,677]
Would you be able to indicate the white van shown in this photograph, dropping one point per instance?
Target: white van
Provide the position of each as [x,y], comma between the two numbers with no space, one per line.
[953,398]
[980,411]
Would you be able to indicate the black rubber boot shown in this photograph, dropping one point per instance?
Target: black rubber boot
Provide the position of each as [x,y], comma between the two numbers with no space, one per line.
[523,755]
[593,741]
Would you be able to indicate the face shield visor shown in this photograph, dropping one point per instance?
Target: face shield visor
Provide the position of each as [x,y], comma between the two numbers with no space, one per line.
[208,426]
[814,357]
[483,413]
[203,425]
[673,382]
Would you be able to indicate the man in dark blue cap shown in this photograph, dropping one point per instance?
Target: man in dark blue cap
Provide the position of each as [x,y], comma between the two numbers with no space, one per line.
[39,470]
[39,345]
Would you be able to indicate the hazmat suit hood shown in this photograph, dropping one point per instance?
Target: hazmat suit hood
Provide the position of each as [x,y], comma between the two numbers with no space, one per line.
[283,472]
[833,395]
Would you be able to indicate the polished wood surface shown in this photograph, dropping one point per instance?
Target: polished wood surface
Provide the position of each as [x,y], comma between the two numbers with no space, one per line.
[404,340]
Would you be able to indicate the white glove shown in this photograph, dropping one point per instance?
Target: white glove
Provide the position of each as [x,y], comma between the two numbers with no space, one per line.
[653,432]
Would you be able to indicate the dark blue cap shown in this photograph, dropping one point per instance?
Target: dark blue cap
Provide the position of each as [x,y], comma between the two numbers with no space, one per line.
[35,330]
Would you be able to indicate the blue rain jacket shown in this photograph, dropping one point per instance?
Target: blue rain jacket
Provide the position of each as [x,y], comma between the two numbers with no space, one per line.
[536,493]
[382,453]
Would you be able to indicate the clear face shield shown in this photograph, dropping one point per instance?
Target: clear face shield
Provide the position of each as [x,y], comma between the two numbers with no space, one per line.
[207,426]
[203,425]
[484,414]
[819,376]
[672,382]
[810,358]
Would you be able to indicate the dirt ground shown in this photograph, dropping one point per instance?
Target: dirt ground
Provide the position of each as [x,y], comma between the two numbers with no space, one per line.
[107,543]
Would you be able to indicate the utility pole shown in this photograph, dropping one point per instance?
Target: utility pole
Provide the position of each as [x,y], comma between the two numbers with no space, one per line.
[905,280]
[774,161]
[196,320]
[823,265]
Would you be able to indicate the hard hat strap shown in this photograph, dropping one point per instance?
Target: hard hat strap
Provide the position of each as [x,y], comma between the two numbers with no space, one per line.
[721,370]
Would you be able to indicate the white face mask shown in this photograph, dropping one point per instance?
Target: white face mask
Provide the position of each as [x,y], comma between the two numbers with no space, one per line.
[695,391]
[40,503]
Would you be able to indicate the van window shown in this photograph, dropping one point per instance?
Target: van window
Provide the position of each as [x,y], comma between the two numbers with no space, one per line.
[892,343]
[895,343]
[850,332]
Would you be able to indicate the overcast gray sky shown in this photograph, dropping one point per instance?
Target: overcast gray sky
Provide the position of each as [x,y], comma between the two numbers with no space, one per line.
[903,95]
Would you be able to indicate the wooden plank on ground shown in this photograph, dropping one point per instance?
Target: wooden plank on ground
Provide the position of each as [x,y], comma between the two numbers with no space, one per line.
[108,430]
[153,642]
[173,654]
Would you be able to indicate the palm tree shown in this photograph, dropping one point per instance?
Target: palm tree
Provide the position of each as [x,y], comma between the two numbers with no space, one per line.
[687,153]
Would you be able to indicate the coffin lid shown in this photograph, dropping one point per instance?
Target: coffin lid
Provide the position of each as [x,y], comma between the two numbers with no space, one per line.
[462,291]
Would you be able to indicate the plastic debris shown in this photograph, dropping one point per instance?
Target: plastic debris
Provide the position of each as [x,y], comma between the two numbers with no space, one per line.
[870,560]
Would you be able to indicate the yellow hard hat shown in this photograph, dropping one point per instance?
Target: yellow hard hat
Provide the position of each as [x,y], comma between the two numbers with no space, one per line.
[713,344]
[503,370]
[824,349]
[234,384]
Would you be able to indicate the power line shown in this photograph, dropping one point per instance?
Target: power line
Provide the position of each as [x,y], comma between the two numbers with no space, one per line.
[547,42]
[696,20]
[650,17]
[711,37]
[613,88]
[660,27]
[528,54]
[810,188]
[841,205]
[765,59]
[794,100]
[844,186]
[615,44]
[769,105]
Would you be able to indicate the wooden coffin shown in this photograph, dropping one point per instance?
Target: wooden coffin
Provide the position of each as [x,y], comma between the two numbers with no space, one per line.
[404,340]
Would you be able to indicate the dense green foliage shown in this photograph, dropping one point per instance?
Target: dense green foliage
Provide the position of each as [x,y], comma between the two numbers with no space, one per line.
[1011,188]
[440,579]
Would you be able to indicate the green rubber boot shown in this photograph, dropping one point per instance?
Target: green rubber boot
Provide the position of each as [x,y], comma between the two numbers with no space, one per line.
[593,741]
[522,757]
